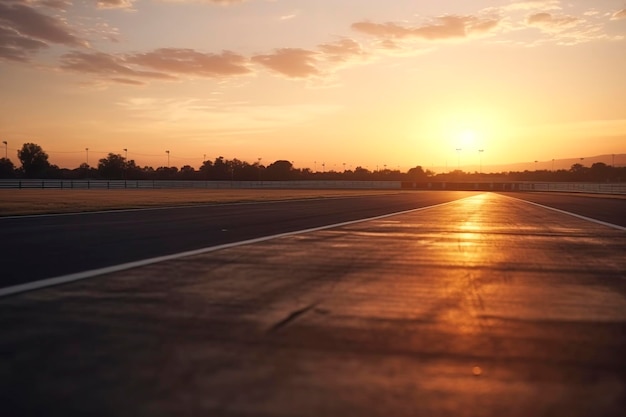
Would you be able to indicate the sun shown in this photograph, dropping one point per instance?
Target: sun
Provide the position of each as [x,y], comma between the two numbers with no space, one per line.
[467,138]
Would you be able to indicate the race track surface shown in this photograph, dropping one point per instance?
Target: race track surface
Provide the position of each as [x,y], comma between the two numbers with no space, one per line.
[487,306]
[37,247]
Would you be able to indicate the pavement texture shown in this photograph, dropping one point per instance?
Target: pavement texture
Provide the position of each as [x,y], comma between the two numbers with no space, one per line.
[488,306]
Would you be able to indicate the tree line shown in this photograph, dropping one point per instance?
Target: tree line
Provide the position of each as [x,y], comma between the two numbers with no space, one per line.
[35,164]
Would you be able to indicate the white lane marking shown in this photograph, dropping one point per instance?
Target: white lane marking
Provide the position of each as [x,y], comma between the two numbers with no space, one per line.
[589,219]
[214,204]
[64,279]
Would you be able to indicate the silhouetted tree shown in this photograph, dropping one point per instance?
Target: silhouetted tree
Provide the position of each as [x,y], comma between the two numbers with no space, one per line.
[34,161]
[417,174]
[278,171]
[84,171]
[7,169]
[600,172]
[206,170]
[187,172]
[166,173]
[112,167]
[221,170]
[133,172]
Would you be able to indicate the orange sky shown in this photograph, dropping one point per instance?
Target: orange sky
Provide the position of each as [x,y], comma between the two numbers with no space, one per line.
[333,82]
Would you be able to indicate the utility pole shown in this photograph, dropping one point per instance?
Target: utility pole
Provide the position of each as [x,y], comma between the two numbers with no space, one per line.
[6,147]
[87,158]
[168,158]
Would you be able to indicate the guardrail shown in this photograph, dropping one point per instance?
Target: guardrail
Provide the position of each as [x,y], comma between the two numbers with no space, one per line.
[596,188]
[569,187]
[160,184]
[575,187]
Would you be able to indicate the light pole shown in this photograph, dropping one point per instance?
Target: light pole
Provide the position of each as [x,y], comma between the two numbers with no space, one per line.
[536,165]
[6,147]
[87,157]
[125,166]
[168,158]
[259,160]
[344,167]
[552,164]
[458,150]
[480,160]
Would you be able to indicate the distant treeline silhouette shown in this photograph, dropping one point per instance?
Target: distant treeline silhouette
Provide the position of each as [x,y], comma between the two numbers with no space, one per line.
[35,164]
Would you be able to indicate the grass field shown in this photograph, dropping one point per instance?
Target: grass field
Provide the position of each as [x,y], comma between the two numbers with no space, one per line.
[22,202]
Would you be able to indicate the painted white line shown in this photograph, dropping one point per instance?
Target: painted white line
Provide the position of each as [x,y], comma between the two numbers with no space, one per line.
[189,206]
[64,279]
[589,219]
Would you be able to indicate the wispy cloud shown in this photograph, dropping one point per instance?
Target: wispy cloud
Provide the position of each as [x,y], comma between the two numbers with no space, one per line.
[548,20]
[218,116]
[25,30]
[160,64]
[191,62]
[115,4]
[56,4]
[570,30]
[441,28]
[219,2]
[342,50]
[291,62]
[620,14]
[108,65]
[533,5]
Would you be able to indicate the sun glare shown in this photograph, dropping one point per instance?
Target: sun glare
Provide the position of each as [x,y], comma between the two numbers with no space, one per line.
[467,138]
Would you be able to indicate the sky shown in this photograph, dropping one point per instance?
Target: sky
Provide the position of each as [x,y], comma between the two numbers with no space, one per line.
[395,83]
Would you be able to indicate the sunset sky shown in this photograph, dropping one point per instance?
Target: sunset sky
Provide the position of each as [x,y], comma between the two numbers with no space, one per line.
[372,83]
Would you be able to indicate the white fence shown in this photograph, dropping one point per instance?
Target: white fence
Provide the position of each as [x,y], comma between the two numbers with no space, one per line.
[148,184]
[570,187]
[575,187]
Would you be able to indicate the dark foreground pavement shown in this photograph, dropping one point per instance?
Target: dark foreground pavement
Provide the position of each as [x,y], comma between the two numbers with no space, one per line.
[488,306]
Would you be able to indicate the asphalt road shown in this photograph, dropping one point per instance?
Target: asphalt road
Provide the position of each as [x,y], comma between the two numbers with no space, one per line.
[610,209]
[487,306]
[38,247]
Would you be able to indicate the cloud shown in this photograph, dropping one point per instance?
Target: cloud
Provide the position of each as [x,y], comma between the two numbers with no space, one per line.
[115,4]
[16,47]
[108,65]
[292,62]
[342,50]
[620,14]
[56,4]
[534,4]
[160,64]
[548,20]
[220,2]
[25,30]
[569,30]
[442,28]
[191,62]
[31,23]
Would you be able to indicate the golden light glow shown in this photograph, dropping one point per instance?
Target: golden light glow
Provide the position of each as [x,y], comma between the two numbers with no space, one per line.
[441,76]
